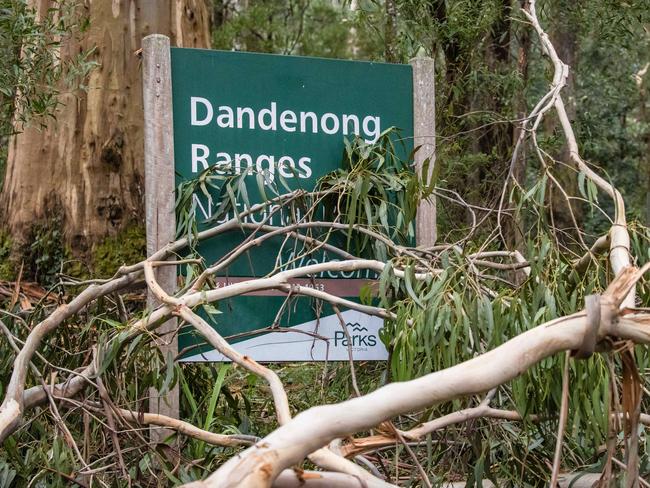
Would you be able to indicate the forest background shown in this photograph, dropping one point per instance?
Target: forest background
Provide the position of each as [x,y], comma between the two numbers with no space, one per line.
[58,73]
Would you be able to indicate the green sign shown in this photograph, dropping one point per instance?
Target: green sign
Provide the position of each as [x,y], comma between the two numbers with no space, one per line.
[286,118]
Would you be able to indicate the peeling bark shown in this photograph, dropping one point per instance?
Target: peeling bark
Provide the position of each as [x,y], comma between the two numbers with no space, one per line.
[87,165]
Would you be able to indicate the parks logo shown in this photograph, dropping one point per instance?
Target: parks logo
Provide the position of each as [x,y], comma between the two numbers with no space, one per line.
[358,335]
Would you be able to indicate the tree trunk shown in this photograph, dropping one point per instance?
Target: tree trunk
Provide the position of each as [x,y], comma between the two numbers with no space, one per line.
[390,33]
[642,84]
[514,228]
[353,35]
[521,108]
[86,168]
[499,60]
[492,140]
[564,37]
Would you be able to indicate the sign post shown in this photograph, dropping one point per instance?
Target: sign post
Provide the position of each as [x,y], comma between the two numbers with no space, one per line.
[159,197]
[424,130]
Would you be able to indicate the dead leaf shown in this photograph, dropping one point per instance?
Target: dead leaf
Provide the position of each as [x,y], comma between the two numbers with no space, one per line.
[25,304]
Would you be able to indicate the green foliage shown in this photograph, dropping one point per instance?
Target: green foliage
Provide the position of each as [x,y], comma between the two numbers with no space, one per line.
[299,27]
[33,72]
[446,320]
[243,404]
[377,189]
[479,91]
[463,24]
[129,246]
[7,267]
[45,251]
[32,67]
[490,71]
[120,354]
[610,122]
[46,256]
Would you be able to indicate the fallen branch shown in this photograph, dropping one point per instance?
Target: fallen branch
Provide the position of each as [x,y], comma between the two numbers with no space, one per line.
[316,427]
[182,427]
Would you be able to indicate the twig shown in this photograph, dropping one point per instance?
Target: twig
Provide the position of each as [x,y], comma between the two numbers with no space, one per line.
[103,394]
[353,373]
[564,412]
[182,427]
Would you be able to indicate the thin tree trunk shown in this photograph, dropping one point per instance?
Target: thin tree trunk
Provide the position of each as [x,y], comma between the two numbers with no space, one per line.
[494,140]
[563,36]
[353,35]
[390,35]
[642,84]
[523,51]
[498,136]
[87,166]
[514,227]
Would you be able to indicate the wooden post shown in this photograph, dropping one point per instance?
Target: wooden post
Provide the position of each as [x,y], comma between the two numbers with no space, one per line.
[424,132]
[159,195]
